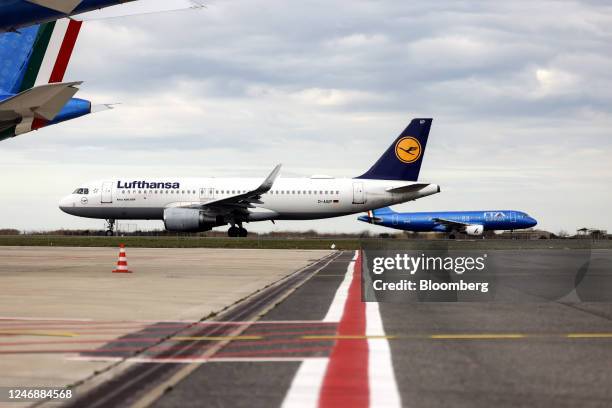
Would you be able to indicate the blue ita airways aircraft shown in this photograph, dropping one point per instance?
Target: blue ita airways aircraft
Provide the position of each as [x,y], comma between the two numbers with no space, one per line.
[15,14]
[468,222]
[32,92]
[199,204]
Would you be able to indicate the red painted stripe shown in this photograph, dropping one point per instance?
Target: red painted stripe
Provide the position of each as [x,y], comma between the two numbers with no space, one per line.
[346,380]
[57,75]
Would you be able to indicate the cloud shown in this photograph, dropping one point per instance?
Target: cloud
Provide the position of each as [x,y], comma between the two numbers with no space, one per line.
[520,93]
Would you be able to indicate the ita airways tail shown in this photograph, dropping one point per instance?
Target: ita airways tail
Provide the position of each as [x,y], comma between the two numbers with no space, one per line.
[37,55]
[402,160]
[383,211]
[34,62]
[376,216]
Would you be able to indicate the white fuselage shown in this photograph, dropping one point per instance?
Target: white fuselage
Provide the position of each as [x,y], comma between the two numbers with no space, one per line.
[289,198]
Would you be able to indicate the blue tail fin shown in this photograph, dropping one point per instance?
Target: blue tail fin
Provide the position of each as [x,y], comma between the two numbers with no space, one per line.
[402,160]
[383,211]
[15,52]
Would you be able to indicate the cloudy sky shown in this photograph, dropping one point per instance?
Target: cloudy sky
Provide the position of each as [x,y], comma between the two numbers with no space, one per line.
[520,93]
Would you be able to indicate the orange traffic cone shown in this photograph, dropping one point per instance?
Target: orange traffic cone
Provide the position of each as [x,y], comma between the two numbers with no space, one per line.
[122,262]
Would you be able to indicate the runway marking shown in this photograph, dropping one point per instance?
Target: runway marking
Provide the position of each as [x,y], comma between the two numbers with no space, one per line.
[346,380]
[305,387]
[334,313]
[348,337]
[484,336]
[216,338]
[384,391]
[170,360]
[36,333]
[359,371]
[155,393]
[589,335]
[44,319]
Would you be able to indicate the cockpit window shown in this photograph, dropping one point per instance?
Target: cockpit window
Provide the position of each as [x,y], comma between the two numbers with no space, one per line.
[81,191]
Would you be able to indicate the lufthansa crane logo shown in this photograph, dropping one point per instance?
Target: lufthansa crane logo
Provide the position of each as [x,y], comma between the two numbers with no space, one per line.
[408,150]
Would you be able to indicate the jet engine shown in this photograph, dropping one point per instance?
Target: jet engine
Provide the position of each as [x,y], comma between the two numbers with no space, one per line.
[190,220]
[474,229]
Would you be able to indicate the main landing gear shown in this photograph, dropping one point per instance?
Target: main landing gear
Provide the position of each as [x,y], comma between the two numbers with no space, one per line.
[237,231]
[110,227]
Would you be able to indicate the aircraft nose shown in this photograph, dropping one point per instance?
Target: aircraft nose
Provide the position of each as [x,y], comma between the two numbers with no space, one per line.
[531,222]
[66,204]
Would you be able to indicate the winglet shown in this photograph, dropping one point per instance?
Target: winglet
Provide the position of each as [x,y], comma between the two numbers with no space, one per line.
[269,181]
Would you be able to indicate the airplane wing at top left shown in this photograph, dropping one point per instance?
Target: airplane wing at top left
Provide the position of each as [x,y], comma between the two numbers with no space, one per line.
[15,14]
[63,6]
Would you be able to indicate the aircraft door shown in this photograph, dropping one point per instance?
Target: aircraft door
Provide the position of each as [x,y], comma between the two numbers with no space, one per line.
[107,192]
[358,193]
[207,193]
[395,219]
[512,216]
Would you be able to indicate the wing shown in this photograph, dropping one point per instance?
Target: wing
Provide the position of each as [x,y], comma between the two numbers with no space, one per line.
[63,6]
[451,223]
[240,202]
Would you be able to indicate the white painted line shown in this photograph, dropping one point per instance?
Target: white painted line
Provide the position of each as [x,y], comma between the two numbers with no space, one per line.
[194,360]
[334,314]
[125,322]
[45,319]
[306,385]
[383,387]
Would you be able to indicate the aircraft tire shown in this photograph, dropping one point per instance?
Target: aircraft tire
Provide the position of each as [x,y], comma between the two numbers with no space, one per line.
[242,232]
[109,233]
[233,232]
[451,236]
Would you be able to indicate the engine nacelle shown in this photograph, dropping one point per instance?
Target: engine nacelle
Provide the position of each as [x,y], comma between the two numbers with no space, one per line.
[190,220]
[474,229]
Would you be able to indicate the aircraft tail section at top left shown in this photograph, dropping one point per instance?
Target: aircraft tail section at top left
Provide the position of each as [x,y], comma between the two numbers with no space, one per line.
[37,55]
[31,60]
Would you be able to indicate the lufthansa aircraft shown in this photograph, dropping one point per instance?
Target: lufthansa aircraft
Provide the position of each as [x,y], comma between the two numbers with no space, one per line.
[199,204]
[32,91]
[15,14]
[468,222]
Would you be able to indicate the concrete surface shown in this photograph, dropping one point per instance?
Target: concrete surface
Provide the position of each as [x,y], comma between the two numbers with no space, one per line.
[58,302]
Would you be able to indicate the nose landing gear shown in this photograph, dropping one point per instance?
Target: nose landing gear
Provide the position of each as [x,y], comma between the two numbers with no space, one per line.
[110,227]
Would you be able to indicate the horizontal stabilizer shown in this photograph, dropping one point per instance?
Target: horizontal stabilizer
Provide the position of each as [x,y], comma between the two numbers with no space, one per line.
[63,6]
[407,189]
[43,102]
